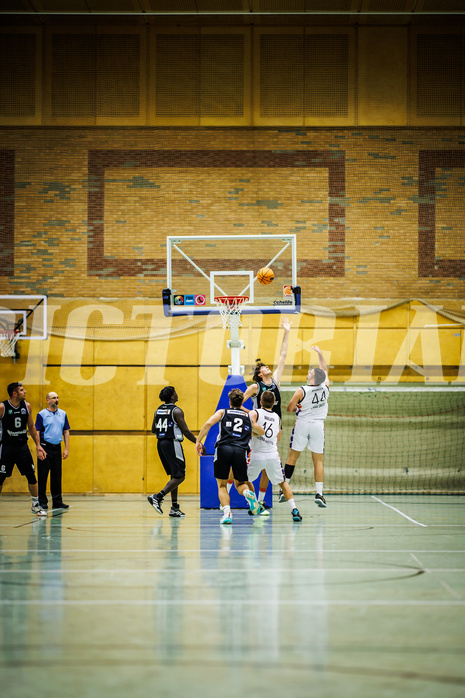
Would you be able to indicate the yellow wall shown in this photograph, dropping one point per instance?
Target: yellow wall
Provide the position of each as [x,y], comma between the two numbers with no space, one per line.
[111,399]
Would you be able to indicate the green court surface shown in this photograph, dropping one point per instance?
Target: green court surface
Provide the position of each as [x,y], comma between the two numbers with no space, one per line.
[364,598]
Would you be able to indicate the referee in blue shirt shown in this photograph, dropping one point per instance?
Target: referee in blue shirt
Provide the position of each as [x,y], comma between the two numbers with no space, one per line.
[53,427]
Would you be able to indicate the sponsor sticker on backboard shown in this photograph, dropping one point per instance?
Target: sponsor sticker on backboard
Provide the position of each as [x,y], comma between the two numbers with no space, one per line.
[287,291]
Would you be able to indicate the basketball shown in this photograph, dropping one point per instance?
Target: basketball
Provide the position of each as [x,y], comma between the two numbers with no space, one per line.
[265,275]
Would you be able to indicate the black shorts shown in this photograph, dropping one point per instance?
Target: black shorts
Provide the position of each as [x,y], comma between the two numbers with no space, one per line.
[172,457]
[21,457]
[228,456]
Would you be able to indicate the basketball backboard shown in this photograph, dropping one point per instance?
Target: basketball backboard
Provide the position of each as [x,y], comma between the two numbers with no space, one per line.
[26,316]
[202,267]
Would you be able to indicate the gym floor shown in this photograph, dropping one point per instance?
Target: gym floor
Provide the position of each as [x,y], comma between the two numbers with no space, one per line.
[108,598]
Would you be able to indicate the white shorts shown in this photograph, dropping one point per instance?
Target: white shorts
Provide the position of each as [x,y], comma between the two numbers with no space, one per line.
[272,464]
[309,435]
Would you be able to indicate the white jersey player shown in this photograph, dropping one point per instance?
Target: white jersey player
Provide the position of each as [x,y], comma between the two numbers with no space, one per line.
[264,451]
[310,403]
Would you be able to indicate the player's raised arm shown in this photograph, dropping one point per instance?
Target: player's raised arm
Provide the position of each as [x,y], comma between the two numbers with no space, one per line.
[295,399]
[322,363]
[286,325]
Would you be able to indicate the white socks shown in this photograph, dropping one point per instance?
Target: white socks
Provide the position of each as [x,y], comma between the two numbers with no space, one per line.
[291,503]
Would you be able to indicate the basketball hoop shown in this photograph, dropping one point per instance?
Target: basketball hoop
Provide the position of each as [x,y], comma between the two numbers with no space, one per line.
[230,308]
[8,339]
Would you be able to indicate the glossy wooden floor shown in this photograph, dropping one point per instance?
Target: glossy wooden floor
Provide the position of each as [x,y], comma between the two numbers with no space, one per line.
[365,598]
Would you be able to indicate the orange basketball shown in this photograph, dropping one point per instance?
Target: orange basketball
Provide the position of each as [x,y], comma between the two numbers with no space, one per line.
[265,275]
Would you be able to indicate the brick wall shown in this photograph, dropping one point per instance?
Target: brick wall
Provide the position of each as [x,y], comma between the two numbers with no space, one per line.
[378,213]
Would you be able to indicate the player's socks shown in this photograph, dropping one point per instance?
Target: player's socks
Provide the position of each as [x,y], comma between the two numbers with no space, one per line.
[291,503]
[319,488]
[227,511]
[261,495]
[35,500]
[229,484]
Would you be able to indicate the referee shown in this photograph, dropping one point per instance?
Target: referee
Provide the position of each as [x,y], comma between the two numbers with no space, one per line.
[53,427]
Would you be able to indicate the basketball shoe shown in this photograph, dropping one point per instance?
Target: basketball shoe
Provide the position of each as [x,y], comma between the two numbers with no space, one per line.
[155,502]
[255,506]
[37,509]
[176,511]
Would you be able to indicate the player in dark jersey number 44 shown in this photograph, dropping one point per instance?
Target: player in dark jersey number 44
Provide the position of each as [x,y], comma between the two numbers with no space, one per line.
[170,428]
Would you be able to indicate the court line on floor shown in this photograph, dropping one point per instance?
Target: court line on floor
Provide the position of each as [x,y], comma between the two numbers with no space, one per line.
[399,512]
[121,526]
[220,602]
[444,584]
[204,570]
[154,551]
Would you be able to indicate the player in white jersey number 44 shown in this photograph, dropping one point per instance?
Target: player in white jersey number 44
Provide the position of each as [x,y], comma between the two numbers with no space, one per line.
[310,404]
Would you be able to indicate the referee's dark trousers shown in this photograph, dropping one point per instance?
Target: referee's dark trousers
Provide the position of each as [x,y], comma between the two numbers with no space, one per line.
[52,465]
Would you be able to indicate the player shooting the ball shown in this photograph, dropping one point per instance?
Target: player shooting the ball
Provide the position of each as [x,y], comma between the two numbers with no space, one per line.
[266,379]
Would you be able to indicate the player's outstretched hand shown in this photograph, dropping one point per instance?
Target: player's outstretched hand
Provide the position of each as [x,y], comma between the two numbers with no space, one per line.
[285,324]
[317,349]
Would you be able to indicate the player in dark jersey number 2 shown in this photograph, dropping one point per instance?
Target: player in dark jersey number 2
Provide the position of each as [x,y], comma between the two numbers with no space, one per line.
[231,451]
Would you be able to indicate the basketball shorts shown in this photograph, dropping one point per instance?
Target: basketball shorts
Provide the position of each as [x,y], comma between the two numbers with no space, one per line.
[309,435]
[227,457]
[172,457]
[271,463]
[19,456]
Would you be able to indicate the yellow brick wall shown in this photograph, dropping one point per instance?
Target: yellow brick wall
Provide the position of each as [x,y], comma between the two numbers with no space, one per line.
[377,213]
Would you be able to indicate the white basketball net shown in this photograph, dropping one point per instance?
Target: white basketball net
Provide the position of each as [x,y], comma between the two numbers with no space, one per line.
[8,343]
[230,308]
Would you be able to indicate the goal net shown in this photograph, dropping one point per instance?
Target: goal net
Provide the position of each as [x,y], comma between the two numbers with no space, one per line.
[387,440]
